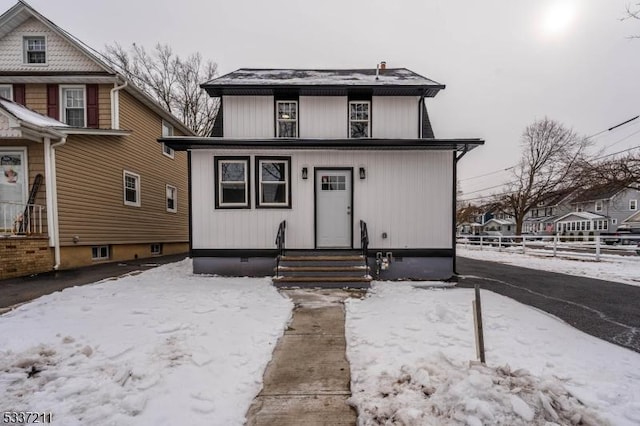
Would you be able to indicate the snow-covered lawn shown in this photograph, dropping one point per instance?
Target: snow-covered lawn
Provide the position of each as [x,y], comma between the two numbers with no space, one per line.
[162,347]
[624,269]
[410,350]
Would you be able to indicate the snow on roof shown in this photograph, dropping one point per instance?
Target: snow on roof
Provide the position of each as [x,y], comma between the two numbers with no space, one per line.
[501,221]
[330,77]
[29,116]
[582,215]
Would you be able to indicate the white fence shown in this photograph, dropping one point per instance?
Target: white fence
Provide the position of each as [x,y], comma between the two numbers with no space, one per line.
[555,245]
[20,219]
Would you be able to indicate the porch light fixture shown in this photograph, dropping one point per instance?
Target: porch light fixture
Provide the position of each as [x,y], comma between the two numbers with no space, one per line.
[305,173]
[363,173]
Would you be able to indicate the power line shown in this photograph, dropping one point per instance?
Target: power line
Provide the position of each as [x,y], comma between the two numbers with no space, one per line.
[487,174]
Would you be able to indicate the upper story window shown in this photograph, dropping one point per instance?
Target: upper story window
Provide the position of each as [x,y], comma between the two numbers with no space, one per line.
[633,204]
[167,130]
[35,50]
[598,206]
[73,105]
[6,91]
[287,119]
[359,119]
[131,189]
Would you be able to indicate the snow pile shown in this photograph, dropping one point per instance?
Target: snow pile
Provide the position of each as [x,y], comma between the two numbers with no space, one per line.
[410,351]
[438,392]
[160,347]
[623,269]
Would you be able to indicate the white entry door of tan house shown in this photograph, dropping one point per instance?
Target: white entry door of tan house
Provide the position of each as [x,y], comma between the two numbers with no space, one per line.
[334,198]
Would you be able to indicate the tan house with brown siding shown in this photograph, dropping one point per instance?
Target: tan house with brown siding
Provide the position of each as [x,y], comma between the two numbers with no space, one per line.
[83,178]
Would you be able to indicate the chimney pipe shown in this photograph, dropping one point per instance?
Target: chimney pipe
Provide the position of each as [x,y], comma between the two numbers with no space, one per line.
[383,65]
[377,70]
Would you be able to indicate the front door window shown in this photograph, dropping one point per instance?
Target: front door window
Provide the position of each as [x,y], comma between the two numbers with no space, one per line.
[13,176]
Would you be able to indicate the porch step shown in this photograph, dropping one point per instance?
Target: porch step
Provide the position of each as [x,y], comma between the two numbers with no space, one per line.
[326,270]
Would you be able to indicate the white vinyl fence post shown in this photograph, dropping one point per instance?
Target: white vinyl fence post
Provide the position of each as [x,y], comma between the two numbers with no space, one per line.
[524,245]
[597,248]
[555,245]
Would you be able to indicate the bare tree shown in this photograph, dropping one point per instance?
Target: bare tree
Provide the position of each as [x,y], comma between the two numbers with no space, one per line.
[549,160]
[621,171]
[172,81]
[632,12]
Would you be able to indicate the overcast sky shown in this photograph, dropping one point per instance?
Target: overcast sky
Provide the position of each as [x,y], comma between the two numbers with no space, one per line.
[505,63]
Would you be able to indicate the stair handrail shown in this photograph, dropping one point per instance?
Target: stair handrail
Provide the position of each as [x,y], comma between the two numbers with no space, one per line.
[364,239]
[280,243]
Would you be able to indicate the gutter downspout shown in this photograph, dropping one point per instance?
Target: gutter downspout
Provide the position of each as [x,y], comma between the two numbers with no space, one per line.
[456,158]
[115,104]
[54,191]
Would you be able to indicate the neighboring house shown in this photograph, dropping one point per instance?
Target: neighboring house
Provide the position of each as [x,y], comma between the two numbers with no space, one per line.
[89,183]
[541,219]
[632,223]
[499,227]
[320,152]
[599,209]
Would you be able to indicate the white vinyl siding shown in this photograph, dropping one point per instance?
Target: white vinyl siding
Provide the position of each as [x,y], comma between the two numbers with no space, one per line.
[323,117]
[407,195]
[248,117]
[395,117]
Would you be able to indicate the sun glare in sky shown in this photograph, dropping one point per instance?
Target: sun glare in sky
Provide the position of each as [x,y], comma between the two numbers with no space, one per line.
[558,18]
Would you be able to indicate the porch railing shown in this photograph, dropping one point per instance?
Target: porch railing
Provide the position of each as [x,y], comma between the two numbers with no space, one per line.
[280,242]
[20,219]
[364,238]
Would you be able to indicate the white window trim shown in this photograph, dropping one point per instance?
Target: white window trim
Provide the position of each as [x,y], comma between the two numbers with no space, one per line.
[107,257]
[137,203]
[158,251]
[175,198]
[63,109]
[46,50]
[10,87]
[247,164]
[633,205]
[598,203]
[168,152]
[286,181]
[287,120]
[368,121]
[614,221]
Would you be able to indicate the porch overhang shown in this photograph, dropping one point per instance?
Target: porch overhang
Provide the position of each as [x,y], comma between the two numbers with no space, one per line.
[370,144]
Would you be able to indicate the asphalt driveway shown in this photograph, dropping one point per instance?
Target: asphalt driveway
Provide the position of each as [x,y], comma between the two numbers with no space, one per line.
[19,290]
[605,309]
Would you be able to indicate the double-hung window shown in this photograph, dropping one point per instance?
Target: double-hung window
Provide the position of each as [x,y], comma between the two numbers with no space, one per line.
[633,204]
[6,91]
[273,182]
[359,119]
[172,199]
[598,206]
[35,50]
[287,119]
[232,182]
[167,130]
[131,183]
[73,105]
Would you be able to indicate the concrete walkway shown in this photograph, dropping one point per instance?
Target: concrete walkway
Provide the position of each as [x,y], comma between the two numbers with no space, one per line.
[308,379]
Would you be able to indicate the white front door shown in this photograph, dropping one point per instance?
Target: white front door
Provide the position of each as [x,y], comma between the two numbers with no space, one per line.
[333,208]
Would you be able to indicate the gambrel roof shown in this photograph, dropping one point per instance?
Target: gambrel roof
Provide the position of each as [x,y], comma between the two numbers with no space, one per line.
[389,81]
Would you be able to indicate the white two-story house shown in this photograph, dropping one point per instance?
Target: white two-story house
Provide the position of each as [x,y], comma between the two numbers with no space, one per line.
[340,159]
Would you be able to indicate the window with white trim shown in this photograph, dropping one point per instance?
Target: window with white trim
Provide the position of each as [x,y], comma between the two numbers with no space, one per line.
[598,206]
[359,119]
[273,180]
[100,253]
[73,109]
[614,221]
[232,182]
[35,50]
[287,119]
[156,248]
[6,91]
[172,199]
[167,130]
[633,204]
[131,183]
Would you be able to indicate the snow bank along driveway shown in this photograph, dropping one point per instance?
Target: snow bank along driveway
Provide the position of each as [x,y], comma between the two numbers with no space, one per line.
[410,348]
[161,347]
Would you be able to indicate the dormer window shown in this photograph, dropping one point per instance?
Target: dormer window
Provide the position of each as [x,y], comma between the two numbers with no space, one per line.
[359,119]
[35,50]
[287,119]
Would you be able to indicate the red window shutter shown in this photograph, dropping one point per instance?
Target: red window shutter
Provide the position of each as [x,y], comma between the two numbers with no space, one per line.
[92,105]
[19,94]
[53,109]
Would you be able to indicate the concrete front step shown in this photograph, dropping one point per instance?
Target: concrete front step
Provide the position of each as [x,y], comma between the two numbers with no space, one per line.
[322,258]
[322,281]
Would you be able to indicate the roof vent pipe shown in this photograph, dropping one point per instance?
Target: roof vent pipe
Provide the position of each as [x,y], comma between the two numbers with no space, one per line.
[377,71]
